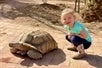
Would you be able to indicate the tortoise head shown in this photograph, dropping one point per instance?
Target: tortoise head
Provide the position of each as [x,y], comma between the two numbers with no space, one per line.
[14,44]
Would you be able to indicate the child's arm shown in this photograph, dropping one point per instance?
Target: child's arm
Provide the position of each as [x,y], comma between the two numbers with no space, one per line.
[82,34]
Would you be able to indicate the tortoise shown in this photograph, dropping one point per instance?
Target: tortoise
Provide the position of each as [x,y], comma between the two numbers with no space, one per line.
[35,44]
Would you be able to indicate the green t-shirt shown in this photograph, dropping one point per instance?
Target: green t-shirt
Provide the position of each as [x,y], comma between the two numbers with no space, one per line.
[78,26]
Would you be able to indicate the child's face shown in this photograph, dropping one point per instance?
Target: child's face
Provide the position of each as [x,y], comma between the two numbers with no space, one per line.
[68,19]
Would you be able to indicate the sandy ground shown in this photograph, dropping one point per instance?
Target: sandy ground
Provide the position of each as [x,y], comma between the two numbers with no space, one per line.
[12,26]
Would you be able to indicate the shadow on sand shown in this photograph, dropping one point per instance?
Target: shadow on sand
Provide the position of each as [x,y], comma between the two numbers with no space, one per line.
[54,57]
[94,60]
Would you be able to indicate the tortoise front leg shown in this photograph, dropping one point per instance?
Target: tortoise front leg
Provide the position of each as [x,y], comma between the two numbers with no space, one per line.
[34,54]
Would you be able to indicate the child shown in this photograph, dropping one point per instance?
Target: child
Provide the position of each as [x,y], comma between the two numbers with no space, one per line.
[78,35]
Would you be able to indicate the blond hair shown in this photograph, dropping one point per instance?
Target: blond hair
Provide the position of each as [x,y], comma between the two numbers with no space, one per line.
[70,11]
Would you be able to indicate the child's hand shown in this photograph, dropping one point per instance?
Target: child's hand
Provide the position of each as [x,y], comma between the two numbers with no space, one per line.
[70,35]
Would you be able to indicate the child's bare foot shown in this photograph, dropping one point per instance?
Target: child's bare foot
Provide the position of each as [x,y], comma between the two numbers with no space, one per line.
[73,49]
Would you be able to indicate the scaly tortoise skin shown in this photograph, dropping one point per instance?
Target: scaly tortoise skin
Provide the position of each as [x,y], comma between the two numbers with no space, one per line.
[35,44]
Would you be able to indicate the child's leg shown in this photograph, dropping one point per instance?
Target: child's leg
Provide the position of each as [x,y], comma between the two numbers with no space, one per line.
[77,41]
[80,45]
[71,48]
[81,51]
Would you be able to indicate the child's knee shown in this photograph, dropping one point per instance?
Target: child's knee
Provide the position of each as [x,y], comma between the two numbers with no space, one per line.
[66,37]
